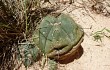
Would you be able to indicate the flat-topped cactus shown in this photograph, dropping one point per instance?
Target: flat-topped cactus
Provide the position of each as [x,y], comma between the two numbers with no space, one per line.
[58,36]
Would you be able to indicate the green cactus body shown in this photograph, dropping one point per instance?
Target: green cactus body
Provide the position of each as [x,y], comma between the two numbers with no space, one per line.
[57,35]
[28,54]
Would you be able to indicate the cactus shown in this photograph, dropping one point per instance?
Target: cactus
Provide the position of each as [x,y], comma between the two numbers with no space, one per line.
[28,54]
[57,35]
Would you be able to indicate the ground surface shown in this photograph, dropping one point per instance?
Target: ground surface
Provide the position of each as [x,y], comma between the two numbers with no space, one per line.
[96,55]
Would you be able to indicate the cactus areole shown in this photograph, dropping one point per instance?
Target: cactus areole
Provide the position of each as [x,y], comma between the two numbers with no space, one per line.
[58,37]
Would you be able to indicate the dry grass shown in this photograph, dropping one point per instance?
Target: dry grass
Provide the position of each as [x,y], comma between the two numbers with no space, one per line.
[18,19]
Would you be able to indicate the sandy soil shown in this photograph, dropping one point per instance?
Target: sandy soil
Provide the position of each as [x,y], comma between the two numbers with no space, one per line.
[96,55]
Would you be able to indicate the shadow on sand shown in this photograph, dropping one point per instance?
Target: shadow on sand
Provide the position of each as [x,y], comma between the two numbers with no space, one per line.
[71,58]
